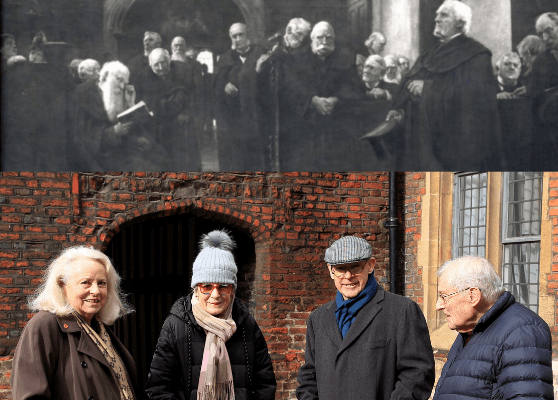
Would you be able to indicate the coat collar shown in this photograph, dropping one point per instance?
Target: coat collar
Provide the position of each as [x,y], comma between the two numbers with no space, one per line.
[361,322]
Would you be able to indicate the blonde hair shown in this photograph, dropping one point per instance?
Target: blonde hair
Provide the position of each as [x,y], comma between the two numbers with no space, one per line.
[50,295]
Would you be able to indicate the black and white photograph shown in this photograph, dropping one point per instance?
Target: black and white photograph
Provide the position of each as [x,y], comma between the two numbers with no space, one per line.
[273,85]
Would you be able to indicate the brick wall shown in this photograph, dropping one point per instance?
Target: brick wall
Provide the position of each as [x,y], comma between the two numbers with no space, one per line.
[292,217]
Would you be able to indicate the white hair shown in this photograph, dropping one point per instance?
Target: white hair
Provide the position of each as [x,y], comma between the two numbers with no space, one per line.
[50,296]
[113,67]
[177,38]
[299,23]
[87,65]
[322,24]
[154,34]
[473,271]
[157,53]
[378,60]
[238,25]
[461,11]
[373,37]
[511,55]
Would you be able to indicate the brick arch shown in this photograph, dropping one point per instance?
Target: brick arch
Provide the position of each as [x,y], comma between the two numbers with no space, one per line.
[114,13]
[199,208]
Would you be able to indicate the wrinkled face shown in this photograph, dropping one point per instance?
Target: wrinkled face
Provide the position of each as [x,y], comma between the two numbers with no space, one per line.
[37,56]
[116,81]
[377,46]
[150,43]
[510,68]
[239,38]
[459,312]
[323,41]
[350,285]
[214,303]
[404,65]
[294,37]
[86,289]
[372,72]
[178,46]
[391,70]
[91,73]
[160,65]
[447,25]
[9,49]
[548,32]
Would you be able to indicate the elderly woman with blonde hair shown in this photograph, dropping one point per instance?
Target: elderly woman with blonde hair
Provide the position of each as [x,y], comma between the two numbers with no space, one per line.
[66,350]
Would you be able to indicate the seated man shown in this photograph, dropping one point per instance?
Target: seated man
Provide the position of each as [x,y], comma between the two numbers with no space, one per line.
[100,141]
[89,69]
[163,87]
[377,88]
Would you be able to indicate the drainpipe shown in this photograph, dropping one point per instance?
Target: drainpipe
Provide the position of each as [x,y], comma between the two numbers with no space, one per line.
[392,223]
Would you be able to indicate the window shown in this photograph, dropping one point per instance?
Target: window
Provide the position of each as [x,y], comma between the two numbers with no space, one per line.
[521,235]
[469,223]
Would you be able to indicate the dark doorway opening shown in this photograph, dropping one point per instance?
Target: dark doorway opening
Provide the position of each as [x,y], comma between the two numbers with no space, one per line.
[154,257]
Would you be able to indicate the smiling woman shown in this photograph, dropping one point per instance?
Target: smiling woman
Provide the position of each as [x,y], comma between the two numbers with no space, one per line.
[78,356]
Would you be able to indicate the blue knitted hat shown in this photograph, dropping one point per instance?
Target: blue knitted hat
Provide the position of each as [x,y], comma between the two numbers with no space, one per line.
[215,262]
[348,249]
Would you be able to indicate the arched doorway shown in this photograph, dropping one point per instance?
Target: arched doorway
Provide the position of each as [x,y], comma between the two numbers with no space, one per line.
[154,257]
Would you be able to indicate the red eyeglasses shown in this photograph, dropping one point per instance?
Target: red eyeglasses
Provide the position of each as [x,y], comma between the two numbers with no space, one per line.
[222,288]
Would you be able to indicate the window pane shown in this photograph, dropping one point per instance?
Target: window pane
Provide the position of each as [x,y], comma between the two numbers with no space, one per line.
[520,272]
[524,204]
[470,210]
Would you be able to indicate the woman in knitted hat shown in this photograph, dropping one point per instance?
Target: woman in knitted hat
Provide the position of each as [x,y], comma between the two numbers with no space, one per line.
[210,347]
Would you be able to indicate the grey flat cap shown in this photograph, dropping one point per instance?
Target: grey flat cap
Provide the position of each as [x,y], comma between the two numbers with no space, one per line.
[348,249]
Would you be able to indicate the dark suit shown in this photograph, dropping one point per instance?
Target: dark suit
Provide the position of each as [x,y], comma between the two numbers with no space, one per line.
[386,354]
[321,139]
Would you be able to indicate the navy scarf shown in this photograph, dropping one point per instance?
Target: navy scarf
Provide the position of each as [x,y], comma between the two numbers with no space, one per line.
[347,309]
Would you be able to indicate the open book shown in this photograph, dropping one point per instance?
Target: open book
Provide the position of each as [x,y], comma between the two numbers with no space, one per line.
[137,113]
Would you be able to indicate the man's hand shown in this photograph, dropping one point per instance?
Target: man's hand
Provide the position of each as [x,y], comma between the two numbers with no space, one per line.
[520,91]
[123,129]
[263,58]
[505,96]
[395,115]
[324,105]
[378,94]
[130,95]
[415,87]
[231,90]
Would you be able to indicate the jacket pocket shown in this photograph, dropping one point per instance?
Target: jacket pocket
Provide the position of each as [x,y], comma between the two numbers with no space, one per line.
[374,344]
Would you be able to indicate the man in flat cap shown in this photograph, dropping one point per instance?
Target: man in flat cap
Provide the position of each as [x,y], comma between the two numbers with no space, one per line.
[366,342]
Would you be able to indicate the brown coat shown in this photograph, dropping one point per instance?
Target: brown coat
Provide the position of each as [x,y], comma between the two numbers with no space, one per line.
[55,360]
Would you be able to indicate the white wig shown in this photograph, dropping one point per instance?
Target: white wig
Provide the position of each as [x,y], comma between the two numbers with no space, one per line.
[461,11]
[473,271]
[50,295]
[113,67]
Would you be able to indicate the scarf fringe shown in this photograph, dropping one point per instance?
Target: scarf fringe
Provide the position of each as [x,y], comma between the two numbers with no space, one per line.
[221,391]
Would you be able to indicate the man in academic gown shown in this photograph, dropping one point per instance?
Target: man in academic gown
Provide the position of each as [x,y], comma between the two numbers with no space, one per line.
[448,102]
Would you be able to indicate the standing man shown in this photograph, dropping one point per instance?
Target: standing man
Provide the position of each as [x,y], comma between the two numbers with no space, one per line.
[503,350]
[508,70]
[367,343]
[151,41]
[375,43]
[241,147]
[448,101]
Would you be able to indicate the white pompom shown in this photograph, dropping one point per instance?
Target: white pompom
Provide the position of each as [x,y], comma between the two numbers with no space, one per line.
[217,239]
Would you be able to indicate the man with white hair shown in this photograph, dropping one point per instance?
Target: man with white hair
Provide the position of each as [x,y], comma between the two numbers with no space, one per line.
[375,43]
[448,101]
[151,41]
[508,70]
[322,84]
[373,76]
[503,349]
[89,69]
[100,141]
[241,146]
[393,74]
[163,87]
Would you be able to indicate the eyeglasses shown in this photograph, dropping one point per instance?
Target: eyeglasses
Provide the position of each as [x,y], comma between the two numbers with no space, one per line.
[340,271]
[445,297]
[222,288]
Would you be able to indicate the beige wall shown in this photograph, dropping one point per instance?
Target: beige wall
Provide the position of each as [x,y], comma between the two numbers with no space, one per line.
[399,24]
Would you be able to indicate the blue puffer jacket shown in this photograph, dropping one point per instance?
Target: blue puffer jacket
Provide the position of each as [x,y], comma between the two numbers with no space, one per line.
[509,356]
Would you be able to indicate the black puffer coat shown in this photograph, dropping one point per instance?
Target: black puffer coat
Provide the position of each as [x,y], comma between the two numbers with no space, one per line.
[175,369]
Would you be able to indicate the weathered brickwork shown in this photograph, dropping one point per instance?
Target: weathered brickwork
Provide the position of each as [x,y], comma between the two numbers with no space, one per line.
[292,217]
[553,278]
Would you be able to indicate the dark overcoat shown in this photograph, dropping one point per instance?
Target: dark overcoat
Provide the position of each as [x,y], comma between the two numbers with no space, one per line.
[454,125]
[386,353]
[176,365]
[509,356]
[55,359]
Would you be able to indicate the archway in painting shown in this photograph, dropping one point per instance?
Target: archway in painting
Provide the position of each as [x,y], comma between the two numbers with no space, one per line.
[154,257]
